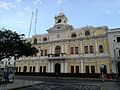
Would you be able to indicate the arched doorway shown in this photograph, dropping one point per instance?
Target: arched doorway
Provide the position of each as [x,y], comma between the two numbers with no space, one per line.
[118,65]
[57,51]
[105,70]
[25,69]
[57,68]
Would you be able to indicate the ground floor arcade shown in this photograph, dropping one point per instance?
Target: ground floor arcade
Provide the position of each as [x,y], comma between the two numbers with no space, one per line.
[64,65]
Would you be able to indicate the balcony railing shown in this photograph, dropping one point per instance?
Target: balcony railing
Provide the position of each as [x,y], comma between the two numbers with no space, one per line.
[57,56]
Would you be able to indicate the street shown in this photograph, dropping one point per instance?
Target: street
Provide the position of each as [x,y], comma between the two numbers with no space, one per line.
[62,84]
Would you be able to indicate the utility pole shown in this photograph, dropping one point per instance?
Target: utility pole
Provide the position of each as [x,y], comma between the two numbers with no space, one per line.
[30,25]
[35,20]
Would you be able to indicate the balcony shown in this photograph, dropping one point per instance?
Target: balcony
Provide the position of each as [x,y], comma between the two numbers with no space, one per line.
[57,56]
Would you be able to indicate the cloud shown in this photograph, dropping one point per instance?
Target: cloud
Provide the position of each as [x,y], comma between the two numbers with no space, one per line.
[108,12]
[20,14]
[18,1]
[119,12]
[6,5]
[27,8]
[19,22]
[37,2]
[61,1]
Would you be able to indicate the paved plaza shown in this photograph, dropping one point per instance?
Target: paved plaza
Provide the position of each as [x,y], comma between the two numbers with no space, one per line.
[52,83]
[19,84]
[63,86]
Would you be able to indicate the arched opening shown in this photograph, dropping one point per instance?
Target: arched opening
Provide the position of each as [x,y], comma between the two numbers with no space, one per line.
[101,49]
[105,69]
[35,41]
[57,51]
[73,35]
[118,65]
[87,33]
[25,69]
[44,39]
[59,21]
[57,68]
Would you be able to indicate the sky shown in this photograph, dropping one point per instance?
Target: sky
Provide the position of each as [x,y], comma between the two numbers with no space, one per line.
[16,14]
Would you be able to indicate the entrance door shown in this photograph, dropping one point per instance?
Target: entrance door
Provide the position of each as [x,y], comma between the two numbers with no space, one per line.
[87,69]
[25,69]
[57,68]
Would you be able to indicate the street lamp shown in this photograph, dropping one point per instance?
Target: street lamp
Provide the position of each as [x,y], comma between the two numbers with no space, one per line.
[102,67]
[15,60]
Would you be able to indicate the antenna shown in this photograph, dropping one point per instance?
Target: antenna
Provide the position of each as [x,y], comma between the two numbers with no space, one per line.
[30,25]
[35,20]
[61,6]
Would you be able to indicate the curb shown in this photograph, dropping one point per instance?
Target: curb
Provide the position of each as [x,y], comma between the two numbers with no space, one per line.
[92,79]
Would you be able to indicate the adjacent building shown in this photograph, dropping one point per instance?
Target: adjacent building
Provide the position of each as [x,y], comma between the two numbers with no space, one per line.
[114,44]
[65,49]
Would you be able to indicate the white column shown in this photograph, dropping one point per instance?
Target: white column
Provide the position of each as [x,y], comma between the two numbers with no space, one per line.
[96,46]
[49,67]
[82,66]
[52,67]
[81,48]
[53,49]
[37,67]
[65,66]
[62,66]
[65,48]
[50,49]
[62,48]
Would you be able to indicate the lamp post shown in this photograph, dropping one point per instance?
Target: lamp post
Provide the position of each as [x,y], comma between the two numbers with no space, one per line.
[15,61]
[102,67]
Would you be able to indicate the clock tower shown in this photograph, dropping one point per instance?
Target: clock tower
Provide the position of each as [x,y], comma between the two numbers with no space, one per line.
[61,19]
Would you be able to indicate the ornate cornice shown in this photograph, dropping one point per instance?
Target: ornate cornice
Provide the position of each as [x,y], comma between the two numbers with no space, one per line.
[73,39]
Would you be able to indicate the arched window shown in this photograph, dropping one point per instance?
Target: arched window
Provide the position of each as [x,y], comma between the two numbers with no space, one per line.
[87,33]
[35,41]
[101,49]
[44,39]
[73,35]
[57,50]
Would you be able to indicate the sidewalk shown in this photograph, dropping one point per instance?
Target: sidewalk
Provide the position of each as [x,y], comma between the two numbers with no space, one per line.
[19,84]
[111,86]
